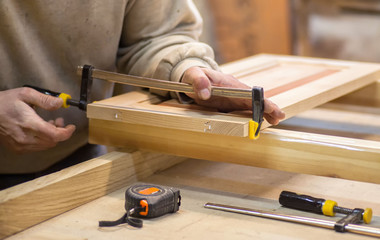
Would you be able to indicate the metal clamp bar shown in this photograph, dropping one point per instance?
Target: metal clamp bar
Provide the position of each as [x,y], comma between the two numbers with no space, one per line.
[164,85]
[353,228]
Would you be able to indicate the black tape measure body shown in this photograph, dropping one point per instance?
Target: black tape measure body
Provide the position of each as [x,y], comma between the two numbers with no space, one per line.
[152,200]
[146,201]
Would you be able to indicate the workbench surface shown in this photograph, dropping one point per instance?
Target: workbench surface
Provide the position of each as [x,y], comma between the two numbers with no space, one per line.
[204,181]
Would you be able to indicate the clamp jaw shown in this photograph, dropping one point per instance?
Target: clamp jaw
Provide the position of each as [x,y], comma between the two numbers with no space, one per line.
[257,112]
[354,216]
[85,88]
[327,208]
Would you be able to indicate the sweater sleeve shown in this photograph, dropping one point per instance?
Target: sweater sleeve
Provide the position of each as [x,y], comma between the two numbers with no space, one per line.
[160,40]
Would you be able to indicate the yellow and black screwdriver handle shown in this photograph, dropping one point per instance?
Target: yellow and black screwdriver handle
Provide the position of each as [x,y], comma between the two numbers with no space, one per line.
[321,206]
[85,90]
[147,201]
[64,96]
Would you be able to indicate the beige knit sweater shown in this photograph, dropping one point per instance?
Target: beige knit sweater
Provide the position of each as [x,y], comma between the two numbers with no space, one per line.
[43,41]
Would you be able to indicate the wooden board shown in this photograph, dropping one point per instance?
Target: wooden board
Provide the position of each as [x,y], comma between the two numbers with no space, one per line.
[355,115]
[204,181]
[368,96]
[32,202]
[350,155]
[295,84]
[276,149]
[306,145]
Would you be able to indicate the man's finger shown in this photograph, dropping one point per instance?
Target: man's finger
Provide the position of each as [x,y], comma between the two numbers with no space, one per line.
[49,132]
[217,78]
[224,80]
[272,113]
[270,107]
[201,84]
[37,141]
[41,100]
[59,122]
[271,119]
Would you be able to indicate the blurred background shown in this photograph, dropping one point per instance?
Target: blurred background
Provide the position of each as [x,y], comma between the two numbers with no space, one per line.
[341,29]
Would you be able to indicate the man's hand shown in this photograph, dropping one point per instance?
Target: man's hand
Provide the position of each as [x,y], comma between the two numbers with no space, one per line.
[21,129]
[202,79]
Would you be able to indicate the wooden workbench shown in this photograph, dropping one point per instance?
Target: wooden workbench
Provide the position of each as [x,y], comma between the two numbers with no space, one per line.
[204,181]
[338,139]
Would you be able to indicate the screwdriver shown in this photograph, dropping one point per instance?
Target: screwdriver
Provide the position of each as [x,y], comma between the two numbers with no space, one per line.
[319,205]
[67,101]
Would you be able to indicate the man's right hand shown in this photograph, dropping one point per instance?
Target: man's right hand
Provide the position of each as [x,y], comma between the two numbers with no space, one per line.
[21,129]
[203,78]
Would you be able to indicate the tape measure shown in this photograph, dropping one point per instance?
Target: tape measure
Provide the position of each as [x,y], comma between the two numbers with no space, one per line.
[146,201]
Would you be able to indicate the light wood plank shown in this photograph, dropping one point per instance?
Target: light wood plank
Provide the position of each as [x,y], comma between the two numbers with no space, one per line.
[348,77]
[205,181]
[366,96]
[355,115]
[281,75]
[276,149]
[141,107]
[195,121]
[311,82]
[32,202]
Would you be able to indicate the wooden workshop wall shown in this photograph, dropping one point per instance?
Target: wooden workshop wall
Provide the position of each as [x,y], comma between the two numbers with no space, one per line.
[340,29]
[243,28]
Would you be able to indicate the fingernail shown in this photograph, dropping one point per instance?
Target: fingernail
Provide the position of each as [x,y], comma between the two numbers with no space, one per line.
[204,94]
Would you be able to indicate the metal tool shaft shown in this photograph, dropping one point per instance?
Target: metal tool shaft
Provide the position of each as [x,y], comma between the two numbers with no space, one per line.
[353,228]
[165,85]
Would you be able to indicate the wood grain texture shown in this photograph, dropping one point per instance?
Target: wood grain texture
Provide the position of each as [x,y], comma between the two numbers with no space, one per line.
[169,116]
[295,84]
[367,96]
[355,115]
[195,121]
[276,149]
[32,202]
[164,85]
[204,181]
[293,151]
[344,77]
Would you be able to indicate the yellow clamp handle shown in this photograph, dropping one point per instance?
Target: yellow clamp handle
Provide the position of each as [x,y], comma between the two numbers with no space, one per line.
[64,97]
[252,130]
